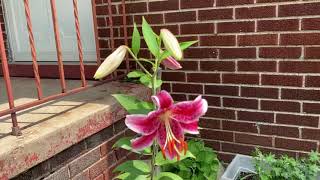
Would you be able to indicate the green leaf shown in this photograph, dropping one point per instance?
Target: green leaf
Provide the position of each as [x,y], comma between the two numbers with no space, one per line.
[136,167]
[150,38]
[125,143]
[133,105]
[135,45]
[183,46]
[161,161]
[135,74]
[147,81]
[130,176]
[168,176]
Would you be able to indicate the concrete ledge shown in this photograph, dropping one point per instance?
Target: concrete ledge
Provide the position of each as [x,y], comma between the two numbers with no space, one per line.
[66,122]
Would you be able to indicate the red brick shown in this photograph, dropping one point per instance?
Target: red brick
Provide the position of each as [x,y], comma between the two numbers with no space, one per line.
[278,25]
[216,135]
[137,7]
[312,81]
[186,4]
[164,5]
[189,65]
[103,10]
[201,53]
[233,2]
[256,40]
[255,12]
[173,28]
[180,16]
[280,52]
[300,94]
[237,148]
[225,157]
[217,65]
[313,134]
[179,97]
[212,100]
[220,113]
[83,162]
[300,120]
[217,40]
[235,53]
[100,177]
[240,78]
[313,108]
[279,130]
[221,90]
[299,9]
[151,18]
[272,1]
[260,92]
[281,80]
[101,22]
[98,168]
[239,126]
[300,39]
[174,76]
[203,28]
[310,24]
[215,145]
[240,103]
[299,67]
[257,66]
[312,52]
[203,77]
[286,106]
[256,116]
[209,123]
[188,88]
[253,139]
[235,27]
[295,144]
[215,14]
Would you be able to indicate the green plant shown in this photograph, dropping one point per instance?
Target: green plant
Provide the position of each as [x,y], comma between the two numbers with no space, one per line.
[269,167]
[204,166]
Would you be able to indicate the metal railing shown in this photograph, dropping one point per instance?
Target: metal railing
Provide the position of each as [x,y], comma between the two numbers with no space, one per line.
[12,110]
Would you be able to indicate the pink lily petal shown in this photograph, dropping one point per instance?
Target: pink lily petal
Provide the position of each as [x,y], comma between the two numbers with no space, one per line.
[162,135]
[189,111]
[171,63]
[143,124]
[191,128]
[177,129]
[163,99]
[142,142]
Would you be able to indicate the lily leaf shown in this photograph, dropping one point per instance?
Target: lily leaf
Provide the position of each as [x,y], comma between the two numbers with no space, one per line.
[135,40]
[150,38]
[135,74]
[136,167]
[183,46]
[133,105]
[168,176]
[125,143]
[147,81]
[161,161]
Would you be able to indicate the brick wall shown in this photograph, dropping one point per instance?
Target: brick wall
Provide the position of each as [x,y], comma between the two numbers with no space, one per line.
[92,158]
[256,63]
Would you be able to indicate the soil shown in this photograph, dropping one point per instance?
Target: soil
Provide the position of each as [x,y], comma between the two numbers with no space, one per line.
[247,176]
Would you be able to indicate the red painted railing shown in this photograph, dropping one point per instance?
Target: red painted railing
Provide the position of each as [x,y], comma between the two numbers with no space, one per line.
[12,110]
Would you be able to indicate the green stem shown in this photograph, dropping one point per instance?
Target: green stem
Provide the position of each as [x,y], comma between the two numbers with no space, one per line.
[138,62]
[154,146]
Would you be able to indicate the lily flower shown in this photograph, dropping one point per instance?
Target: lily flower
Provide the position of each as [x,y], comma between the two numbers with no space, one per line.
[171,43]
[171,63]
[167,124]
[111,63]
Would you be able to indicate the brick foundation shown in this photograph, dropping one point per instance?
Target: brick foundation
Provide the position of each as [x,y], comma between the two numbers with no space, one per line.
[92,158]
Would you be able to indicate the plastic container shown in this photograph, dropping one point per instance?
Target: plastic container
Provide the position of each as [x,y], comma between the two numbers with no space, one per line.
[241,163]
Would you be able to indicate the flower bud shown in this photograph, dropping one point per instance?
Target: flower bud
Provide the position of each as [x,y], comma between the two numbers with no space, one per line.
[171,63]
[111,63]
[171,43]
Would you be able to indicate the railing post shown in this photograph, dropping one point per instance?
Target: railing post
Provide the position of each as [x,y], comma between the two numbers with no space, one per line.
[80,51]
[95,28]
[111,29]
[33,49]
[6,75]
[58,45]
